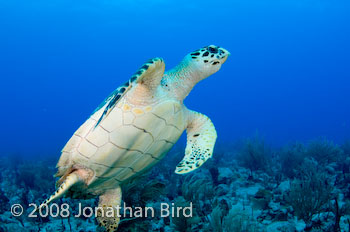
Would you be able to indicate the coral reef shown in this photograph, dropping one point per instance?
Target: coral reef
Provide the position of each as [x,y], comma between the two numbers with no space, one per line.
[247,186]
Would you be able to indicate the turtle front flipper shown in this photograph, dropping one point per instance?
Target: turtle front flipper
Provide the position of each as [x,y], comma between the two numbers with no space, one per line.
[201,137]
[148,77]
[108,213]
[151,73]
[148,80]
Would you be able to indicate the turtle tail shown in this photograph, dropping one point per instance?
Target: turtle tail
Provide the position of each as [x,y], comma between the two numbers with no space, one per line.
[69,181]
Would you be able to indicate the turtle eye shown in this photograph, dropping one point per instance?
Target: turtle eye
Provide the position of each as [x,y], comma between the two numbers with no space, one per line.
[213,49]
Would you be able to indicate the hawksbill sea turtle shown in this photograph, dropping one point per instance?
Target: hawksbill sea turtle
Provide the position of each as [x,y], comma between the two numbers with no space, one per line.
[134,128]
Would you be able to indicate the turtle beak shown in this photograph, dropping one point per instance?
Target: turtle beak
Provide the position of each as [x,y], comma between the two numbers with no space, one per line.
[224,55]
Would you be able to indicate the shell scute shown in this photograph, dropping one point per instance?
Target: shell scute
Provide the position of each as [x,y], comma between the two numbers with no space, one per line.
[108,154]
[113,121]
[145,161]
[98,137]
[106,172]
[128,118]
[137,111]
[158,148]
[129,158]
[87,149]
[125,174]
[150,123]
[152,156]
[131,138]
[72,144]
[63,163]
[85,128]
[96,116]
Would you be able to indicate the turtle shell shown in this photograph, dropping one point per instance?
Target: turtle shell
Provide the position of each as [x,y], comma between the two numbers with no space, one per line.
[125,144]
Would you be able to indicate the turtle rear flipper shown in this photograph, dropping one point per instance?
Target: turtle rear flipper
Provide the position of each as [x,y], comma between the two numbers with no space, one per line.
[108,214]
[69,181]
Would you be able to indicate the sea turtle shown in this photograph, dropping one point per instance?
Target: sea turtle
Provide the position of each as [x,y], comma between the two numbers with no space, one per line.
[134,128]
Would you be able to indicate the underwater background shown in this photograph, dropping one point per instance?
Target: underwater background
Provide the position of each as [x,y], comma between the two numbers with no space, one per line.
[280,105]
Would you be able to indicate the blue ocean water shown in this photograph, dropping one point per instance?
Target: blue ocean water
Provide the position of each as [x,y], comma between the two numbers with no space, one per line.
[287,80]
[288,76]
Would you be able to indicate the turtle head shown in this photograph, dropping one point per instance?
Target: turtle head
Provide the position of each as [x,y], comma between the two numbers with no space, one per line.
[195,67]
[207,60]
